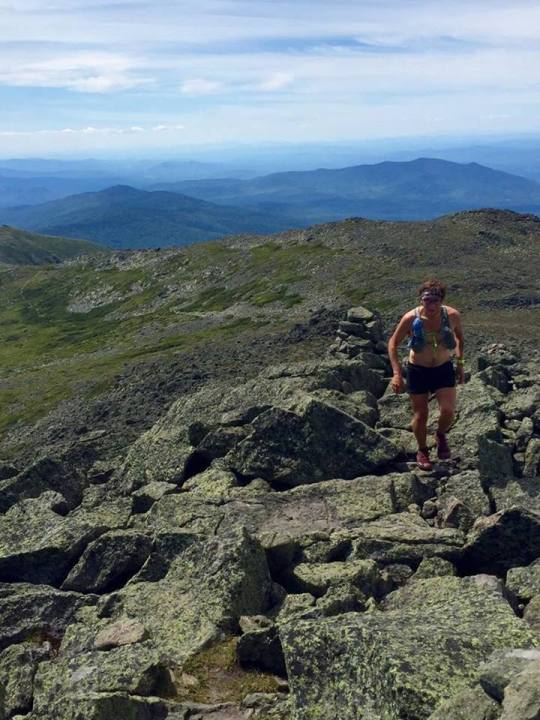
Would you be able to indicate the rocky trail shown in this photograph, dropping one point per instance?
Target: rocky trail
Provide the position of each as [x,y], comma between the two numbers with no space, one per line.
[267,550]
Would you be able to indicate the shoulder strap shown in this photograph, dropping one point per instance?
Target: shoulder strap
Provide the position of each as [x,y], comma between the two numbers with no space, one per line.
[445,318]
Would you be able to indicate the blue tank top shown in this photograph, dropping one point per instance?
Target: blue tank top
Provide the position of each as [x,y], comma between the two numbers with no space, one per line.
[418,340]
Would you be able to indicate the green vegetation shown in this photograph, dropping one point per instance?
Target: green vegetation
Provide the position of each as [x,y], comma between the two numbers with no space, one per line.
[19,247]
[28,396]
[124,217]
[259,292]
[215,675]
[69,330]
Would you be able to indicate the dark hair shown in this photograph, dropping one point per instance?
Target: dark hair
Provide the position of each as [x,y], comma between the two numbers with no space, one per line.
[434,286]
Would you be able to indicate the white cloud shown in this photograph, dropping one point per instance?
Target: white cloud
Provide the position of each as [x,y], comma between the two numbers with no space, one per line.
[104,83]
[235,79]
[379,59]
[211,21]
[91,130]
[92,72]
[276,81]
[167,128]
[200,86]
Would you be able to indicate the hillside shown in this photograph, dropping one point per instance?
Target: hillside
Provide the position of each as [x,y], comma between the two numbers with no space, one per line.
[123,217]
[19,247]
[266,551]
[419,189]
[208,505]
[104,344]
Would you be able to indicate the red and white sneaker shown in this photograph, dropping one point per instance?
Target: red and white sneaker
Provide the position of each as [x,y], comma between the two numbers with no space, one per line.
[422,460]
[443,451]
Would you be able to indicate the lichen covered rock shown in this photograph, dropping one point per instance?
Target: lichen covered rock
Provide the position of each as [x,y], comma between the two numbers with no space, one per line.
[422,648]
[313,442]
[470,704]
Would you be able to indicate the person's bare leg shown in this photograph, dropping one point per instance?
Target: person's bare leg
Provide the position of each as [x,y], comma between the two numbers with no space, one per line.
[446,397]
[420,409]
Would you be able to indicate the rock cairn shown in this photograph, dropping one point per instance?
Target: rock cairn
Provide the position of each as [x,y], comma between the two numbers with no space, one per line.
[267,552]
[361,332]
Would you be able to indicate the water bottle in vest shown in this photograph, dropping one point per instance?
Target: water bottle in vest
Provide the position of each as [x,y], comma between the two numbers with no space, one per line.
[418,340]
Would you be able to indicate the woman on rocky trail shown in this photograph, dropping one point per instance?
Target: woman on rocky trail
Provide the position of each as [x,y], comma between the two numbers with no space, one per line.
[434,332]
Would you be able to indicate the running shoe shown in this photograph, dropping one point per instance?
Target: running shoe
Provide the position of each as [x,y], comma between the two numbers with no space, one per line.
[443,451]
[423,461]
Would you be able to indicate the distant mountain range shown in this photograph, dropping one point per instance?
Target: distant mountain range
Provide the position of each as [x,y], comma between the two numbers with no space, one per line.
[32,190]
[19,247]
[34,181]
[192,211]
[124,217]
[419,189]
[165,170]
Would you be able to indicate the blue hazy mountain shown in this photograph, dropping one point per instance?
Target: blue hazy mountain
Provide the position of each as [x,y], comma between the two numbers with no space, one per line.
[31,181]
[123,216]
[419,189]
[30,189]
[195,210]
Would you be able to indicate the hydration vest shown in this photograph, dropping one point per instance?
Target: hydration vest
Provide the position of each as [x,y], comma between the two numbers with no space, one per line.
[418,339]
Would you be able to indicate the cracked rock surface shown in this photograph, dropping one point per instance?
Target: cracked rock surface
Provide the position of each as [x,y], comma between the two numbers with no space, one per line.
[268,550]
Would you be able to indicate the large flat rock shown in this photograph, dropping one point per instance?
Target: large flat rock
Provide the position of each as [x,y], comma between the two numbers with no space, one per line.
[169,450]
[309,442]
[399,663]
[356,518]
[40,544]
[36,612]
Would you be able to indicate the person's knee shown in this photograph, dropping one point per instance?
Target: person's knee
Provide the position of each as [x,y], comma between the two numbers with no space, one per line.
[447,411]
[420,415]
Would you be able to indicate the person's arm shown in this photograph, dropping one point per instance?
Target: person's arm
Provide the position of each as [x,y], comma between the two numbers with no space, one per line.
[400,333]
[458,332]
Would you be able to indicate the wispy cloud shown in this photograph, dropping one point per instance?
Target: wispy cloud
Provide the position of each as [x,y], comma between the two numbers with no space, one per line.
[381,65]
[90,130]
[276,81]
[200,86]
[95,72]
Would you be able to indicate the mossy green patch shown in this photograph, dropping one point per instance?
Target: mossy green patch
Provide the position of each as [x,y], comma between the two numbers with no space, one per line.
[214,675]
[28,396]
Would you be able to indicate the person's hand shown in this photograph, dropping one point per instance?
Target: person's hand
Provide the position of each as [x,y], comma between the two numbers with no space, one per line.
[397,384]
[460,374]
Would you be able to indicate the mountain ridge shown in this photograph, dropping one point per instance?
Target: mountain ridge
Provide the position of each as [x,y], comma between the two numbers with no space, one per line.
[20,247]
[96,331]
[124,216]
[410,190]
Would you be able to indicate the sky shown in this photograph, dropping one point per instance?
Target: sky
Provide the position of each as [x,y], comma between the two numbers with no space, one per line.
[79,76]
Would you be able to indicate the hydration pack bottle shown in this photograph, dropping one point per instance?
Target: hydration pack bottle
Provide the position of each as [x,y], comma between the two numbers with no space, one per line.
[418,339]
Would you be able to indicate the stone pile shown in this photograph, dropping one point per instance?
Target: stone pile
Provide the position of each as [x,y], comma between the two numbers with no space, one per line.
[361,332]
[267,551]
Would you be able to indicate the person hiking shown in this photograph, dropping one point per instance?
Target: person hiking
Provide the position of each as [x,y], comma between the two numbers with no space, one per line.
[434,332]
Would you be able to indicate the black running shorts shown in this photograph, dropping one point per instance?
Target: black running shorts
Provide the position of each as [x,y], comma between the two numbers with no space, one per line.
[421,380]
